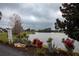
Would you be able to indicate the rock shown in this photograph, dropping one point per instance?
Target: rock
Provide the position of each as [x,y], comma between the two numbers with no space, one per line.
[19,45]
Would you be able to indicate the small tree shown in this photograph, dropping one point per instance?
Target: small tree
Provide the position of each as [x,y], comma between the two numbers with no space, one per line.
[17,29]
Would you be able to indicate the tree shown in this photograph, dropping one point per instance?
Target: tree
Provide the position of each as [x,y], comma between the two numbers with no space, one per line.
[70,11]
[0,15]
[56,26]
[28,29]
[59,25]
[17,27]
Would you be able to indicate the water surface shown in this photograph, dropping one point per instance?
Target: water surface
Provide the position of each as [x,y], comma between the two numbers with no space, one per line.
[57,39]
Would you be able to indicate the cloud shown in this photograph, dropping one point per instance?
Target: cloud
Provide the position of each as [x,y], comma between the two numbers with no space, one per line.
[33,15]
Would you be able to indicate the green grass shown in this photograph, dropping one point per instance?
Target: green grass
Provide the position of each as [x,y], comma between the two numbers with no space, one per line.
[4,37]
[30,32]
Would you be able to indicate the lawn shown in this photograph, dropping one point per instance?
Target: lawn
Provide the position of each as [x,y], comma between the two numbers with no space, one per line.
[4,37]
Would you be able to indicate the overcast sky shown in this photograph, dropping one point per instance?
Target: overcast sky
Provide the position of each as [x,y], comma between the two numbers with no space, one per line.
[36,16]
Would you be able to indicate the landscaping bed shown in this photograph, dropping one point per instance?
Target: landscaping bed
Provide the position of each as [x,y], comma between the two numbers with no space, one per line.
[34,49]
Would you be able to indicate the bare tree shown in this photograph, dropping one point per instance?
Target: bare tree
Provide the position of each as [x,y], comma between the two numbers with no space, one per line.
[17,26]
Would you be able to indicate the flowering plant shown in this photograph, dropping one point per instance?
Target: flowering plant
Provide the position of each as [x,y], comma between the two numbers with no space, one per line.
[37,43]
[69,44]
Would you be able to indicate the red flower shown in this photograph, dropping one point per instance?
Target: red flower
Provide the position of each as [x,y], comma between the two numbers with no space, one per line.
[69,43]
[34,41]
[37,43]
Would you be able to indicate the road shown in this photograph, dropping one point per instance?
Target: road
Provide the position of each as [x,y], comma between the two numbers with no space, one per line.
[8,51]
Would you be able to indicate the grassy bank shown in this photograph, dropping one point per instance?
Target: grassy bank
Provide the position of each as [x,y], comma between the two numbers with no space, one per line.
[4,36]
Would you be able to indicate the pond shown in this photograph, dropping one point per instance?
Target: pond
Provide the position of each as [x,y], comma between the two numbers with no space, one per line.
[57,39]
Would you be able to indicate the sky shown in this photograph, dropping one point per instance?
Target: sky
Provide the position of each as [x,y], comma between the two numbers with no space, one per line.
[33,15]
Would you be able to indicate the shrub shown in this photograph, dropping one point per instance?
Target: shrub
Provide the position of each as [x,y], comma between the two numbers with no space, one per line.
[24,34]
[69,44]
[34,41]
[28,42]
[40,52]
[37,43]
[49,39]
[45,46]
[50,44]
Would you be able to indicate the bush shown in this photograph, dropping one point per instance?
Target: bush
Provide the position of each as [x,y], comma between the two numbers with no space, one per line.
[27,42]
[24,34]
[69,44]
[49,39]
[37,43]
[45,46]
[40,52]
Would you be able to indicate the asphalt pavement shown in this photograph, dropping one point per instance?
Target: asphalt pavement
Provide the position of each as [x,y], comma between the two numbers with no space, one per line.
[8,51]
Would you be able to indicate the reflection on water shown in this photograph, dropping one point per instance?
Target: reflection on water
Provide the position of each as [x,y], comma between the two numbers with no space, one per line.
[57,39]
